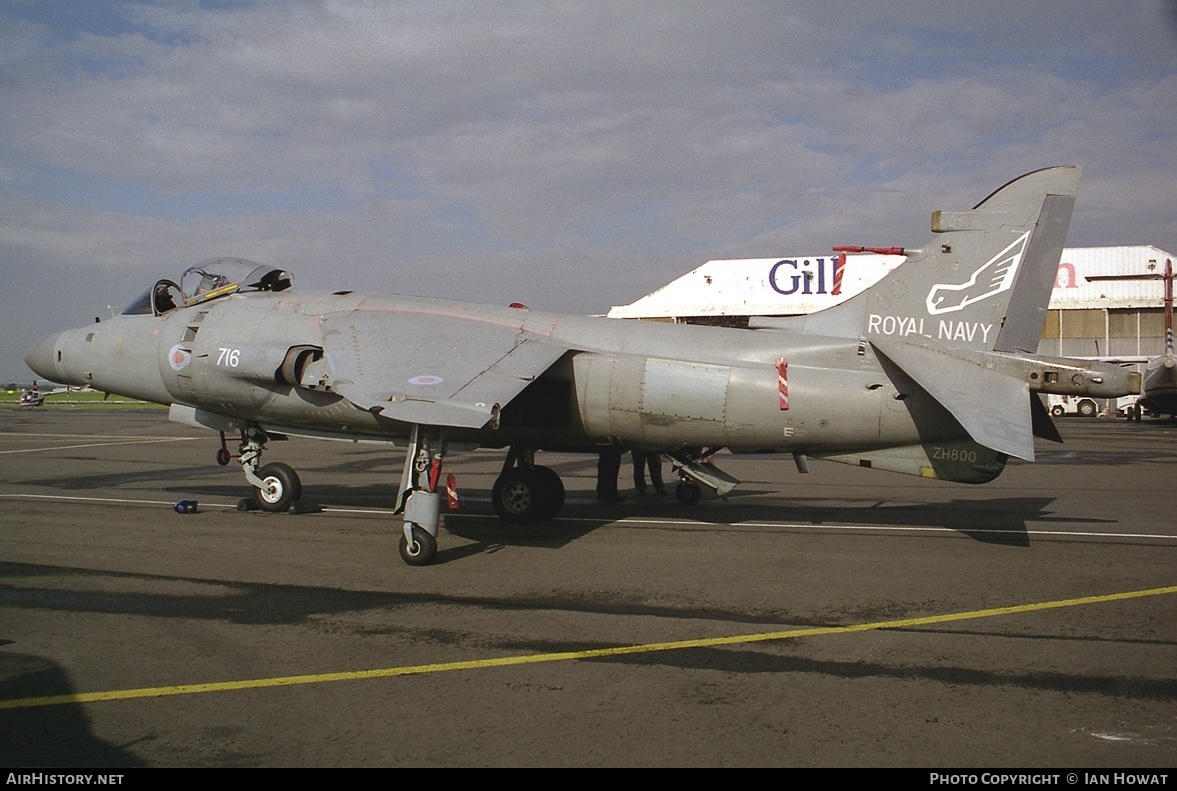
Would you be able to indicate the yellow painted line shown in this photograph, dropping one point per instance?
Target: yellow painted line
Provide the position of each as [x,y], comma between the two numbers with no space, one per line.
[565,656]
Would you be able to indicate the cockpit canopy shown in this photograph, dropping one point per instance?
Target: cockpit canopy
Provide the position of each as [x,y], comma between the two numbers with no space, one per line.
[216,276]
[207,280]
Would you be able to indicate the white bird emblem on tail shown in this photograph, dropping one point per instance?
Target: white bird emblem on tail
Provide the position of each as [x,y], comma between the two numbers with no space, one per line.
[995,276]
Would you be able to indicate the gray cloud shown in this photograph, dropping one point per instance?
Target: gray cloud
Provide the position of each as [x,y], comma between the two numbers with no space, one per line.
[462,148]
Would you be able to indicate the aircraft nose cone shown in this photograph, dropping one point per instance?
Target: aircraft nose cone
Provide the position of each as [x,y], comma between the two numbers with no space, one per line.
[41,357]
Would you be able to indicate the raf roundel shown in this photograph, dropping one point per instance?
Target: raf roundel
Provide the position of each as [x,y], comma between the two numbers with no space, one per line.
[426,379]
[179,357]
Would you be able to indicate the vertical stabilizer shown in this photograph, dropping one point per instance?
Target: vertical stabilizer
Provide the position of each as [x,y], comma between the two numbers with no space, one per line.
[982,283]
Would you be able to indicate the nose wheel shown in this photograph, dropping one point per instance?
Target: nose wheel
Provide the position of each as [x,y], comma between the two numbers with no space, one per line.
[280,488]
[276,487]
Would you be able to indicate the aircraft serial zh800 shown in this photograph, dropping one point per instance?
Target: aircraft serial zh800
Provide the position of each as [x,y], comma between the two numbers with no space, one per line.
[931,372]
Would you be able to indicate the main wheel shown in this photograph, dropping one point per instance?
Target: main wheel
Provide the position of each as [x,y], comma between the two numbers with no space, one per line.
[282,487]
[1087,408]
[551,490]
[421,550]
[688,493]
[518,497]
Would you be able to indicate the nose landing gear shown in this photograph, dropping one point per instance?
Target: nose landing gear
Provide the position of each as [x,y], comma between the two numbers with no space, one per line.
[276,487]
[281,487]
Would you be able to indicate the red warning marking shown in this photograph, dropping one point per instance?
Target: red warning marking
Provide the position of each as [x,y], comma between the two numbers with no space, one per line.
[782,370]
[434,474]
[451,492]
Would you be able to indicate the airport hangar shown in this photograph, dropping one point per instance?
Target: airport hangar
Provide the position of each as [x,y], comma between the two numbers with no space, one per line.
[1106,302]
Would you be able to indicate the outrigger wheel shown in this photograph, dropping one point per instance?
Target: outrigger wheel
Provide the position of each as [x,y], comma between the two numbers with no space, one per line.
[688,492]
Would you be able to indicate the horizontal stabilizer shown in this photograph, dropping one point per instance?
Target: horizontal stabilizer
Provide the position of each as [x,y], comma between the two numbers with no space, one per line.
[992,407]
[1044,427]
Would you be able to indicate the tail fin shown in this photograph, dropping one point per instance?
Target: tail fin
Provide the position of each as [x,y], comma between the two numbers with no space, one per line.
[983,283]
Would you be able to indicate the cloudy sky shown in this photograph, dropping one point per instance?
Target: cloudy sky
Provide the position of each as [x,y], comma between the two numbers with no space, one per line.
[569,155]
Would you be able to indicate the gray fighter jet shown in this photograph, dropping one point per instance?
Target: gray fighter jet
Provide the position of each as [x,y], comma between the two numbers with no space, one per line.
[931,372]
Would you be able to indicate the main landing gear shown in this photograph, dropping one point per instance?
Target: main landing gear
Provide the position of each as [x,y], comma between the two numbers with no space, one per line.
[276,487]
[525,492]
[418,498]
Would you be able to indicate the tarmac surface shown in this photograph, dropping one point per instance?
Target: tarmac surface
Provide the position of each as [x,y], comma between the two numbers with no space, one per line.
[847,617]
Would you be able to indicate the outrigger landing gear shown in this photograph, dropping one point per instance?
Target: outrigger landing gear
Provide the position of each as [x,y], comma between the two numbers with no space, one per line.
[276,486]
[418,498]
[524,492]
[695,471]
[688,493]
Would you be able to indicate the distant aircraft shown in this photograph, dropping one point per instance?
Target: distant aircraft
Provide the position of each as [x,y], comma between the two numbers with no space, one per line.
[31,397]
[1159,396]
[35,397]
[929,372]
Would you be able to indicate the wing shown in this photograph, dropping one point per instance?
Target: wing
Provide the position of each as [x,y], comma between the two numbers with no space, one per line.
[435,365]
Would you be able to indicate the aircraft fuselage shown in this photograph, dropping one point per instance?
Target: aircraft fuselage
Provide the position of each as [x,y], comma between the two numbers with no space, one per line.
[636,384]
